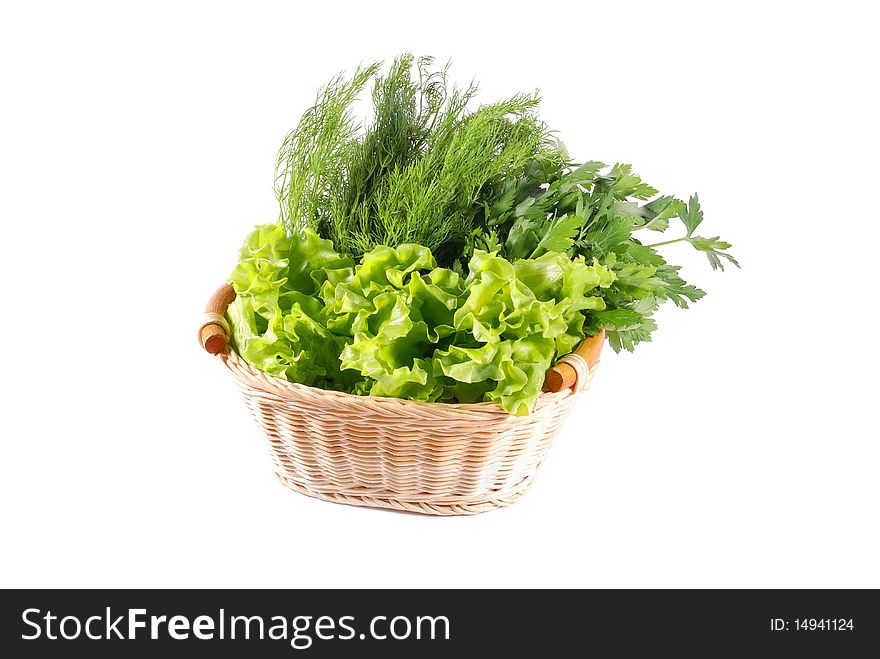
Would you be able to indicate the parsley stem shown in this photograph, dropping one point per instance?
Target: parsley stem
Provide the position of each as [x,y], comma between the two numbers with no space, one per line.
[668,242]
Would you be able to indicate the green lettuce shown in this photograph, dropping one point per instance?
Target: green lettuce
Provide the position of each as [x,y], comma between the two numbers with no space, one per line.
[394,324]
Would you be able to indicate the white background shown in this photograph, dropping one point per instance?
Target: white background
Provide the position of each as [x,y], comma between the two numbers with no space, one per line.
[137,146]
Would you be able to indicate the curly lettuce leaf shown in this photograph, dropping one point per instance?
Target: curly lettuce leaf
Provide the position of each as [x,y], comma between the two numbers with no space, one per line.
[394,316]
[275,327]
[395,324]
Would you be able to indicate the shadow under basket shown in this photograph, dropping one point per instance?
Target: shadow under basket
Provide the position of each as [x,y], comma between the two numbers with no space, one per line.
[430,458]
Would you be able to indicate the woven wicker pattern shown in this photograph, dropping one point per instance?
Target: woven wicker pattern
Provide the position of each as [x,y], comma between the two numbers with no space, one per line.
[438,459]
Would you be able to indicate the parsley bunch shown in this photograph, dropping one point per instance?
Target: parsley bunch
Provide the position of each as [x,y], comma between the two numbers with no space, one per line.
[600,213]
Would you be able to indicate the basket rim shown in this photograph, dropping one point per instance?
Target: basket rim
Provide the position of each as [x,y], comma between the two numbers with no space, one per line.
[251,377]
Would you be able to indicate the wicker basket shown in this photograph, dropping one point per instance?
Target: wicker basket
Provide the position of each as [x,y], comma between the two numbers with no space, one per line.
[432,458]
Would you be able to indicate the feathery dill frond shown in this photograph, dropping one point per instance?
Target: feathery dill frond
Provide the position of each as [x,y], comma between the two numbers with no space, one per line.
[433,202]
[312,154]
[418,173]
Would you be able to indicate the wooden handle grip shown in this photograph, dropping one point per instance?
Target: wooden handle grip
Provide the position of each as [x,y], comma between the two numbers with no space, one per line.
[563,376]
[213,336]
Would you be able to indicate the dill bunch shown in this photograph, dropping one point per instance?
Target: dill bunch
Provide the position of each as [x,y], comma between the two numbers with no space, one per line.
[423,171]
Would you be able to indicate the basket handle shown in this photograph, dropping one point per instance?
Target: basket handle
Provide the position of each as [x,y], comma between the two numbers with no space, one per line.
[563,375]
[214,338]
[214,330]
